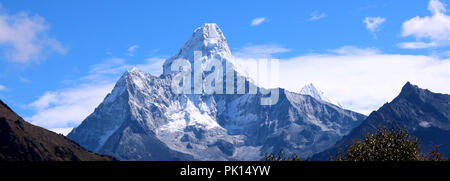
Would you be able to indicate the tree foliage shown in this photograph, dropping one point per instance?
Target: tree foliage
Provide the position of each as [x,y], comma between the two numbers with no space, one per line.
[435,155]
[281,156]
[385,144]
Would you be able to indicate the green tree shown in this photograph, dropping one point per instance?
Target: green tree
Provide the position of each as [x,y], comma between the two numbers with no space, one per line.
[385,144]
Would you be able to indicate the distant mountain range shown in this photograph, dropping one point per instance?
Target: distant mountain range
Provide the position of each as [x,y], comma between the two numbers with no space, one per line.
[22,141]
[421,112]
[142,119]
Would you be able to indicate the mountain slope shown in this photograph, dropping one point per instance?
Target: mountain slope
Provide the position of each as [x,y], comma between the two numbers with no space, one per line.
[22,141]
[423,113]
[142,119]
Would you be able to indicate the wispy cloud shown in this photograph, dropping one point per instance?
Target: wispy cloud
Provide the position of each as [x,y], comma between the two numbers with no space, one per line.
[131,50]
[435,29]
[351,50]
[416,45]
[259,51]
[2,87]
[52,107]
[25,37]
[112,68]
[316,15]
[24,80]
[258,21]
[373,24]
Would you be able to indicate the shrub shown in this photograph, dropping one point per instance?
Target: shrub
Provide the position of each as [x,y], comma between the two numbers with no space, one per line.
[386,144]
[434,155]
[281,156]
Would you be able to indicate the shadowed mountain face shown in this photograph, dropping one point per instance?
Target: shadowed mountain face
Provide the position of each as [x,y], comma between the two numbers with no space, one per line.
[22,141]
[423,113]
[143,119]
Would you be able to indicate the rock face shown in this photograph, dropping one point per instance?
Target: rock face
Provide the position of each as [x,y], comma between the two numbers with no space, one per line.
[421,112]
[142,119]
[22,141]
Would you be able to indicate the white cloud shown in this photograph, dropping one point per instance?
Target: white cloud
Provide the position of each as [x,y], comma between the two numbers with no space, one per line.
[111,66]
[373,23]
[51,109]
[68,107]
[365,80]
[152,65]
[351,50]
[131,50]
[2,87]
[116,66]
[258,21]
[434,28]
[24,38]
[436,7]
[316,15]
[259,51]
[416,45]
[63,131]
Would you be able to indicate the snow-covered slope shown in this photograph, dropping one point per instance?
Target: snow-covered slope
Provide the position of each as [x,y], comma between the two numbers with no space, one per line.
[311,90]
[142,119]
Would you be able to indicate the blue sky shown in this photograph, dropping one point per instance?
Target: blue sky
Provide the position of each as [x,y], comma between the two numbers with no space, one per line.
[51,49]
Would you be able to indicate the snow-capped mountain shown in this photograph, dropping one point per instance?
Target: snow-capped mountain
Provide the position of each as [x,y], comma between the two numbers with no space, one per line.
[311,90]
[143,119]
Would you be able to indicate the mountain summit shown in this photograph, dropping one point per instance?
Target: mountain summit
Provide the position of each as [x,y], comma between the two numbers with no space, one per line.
[209,40]
[143,119]
[311,90]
